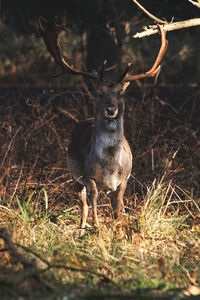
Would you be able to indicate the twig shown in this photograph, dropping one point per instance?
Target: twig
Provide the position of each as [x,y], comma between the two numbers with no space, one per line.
[168,27]
[82,270]
[197,4]
[17,184]
[34,271]
[149,14]
[13,250]
[68,114]
[9,146]
[47,266]
[30,269]
[38,259]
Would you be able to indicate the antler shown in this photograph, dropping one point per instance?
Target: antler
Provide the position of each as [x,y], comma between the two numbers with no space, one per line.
[156,66]
[50,34]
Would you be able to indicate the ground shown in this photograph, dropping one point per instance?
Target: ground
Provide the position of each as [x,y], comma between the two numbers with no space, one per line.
[157,256]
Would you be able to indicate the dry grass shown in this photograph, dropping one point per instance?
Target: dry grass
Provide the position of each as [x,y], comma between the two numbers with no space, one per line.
[157,250]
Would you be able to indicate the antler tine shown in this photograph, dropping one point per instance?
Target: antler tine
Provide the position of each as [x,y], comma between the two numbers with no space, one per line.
[156,66]
[102,70]
[50,35]
[123,75]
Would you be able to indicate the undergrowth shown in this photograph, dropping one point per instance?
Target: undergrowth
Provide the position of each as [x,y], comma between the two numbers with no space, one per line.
[156,248]
[154,252]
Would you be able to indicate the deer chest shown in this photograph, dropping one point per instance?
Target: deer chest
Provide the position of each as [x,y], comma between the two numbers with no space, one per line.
[106,169]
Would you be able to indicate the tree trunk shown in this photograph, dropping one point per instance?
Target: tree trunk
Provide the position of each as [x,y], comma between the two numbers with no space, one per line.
[101,40]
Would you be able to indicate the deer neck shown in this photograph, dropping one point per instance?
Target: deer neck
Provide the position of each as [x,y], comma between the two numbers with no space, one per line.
[109,134]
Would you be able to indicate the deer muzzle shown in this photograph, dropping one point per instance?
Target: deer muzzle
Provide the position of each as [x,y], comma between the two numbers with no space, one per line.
[110,112]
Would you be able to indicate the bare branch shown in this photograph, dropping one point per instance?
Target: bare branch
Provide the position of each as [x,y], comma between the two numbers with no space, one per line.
[168,27]
[149,14]
[13,250]
[30,268]
[197,4]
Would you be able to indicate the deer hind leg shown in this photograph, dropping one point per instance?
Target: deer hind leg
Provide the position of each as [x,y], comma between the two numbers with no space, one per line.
[92,191]
[117,200]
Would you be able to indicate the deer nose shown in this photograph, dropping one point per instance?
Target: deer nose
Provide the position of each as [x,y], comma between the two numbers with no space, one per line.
[110,111]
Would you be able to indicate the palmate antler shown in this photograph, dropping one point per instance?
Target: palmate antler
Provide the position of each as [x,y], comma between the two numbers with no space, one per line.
[50,33]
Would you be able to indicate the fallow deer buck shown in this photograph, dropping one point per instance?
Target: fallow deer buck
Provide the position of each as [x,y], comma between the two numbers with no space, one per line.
[99,155]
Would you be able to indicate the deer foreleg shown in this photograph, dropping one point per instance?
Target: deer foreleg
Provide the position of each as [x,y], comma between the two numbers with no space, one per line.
[84,208]
[93,194]
[117,200]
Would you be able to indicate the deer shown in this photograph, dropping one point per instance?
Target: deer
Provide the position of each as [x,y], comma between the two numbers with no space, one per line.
[99,156]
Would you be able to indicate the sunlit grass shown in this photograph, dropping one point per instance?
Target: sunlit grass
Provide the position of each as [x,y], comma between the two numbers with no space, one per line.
[156,252]
[160,211]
